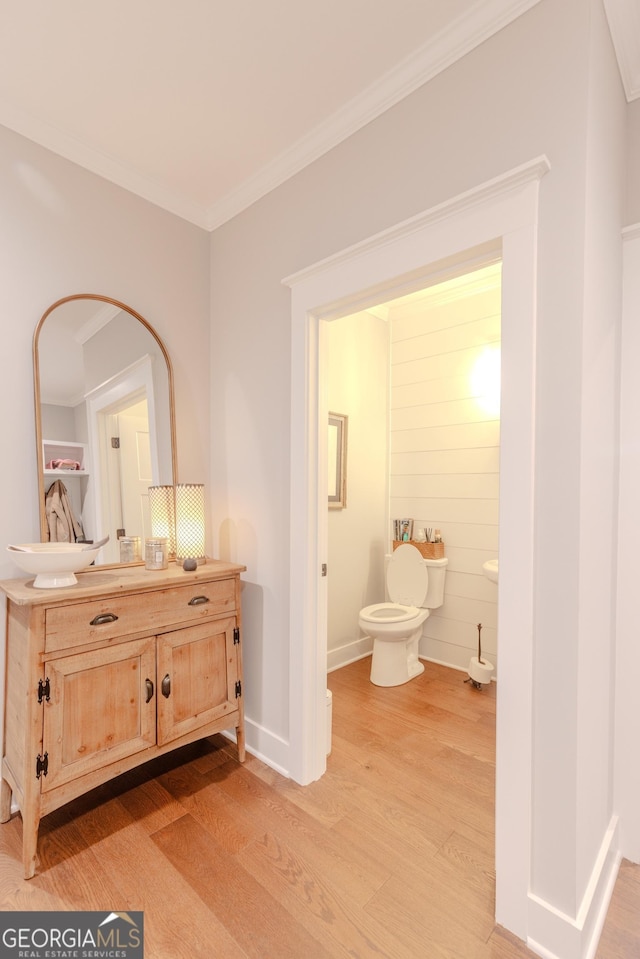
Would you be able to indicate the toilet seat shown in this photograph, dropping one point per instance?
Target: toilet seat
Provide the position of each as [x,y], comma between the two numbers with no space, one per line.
[388,613]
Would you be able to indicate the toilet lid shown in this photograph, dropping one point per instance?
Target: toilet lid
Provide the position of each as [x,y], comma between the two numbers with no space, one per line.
[407,576]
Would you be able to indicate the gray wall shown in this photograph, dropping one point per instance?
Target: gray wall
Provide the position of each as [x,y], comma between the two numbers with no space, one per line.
[547,84]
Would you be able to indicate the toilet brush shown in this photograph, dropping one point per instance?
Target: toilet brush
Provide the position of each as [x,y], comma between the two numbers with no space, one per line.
[480,669]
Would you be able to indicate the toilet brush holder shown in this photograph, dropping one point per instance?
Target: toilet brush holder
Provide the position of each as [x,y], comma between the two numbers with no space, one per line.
[480,671]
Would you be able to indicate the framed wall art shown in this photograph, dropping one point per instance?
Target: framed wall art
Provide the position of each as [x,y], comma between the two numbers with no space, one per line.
[337,461]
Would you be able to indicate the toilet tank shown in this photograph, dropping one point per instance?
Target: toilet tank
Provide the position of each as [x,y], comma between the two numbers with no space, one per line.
[437,569]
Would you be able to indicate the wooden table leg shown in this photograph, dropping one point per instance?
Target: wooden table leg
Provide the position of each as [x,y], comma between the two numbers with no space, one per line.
[29,844]
[240,742]
[5,801]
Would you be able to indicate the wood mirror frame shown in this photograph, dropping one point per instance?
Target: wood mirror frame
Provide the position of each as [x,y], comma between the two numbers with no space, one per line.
[147,369]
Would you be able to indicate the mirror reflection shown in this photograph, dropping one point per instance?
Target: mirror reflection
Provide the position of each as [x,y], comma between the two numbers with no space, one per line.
[104,423]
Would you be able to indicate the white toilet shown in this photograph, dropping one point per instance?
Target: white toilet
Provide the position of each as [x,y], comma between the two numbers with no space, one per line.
[414,586]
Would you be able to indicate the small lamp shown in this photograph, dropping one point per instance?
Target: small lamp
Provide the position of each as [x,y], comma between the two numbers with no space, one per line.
[163,515]
[190,523]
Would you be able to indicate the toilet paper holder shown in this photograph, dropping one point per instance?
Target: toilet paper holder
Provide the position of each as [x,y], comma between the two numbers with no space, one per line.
[480,670]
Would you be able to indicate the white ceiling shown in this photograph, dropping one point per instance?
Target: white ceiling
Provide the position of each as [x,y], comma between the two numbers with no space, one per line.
[203,106]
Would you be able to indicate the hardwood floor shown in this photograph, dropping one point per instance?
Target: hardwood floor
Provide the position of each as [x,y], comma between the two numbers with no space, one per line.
[390,854]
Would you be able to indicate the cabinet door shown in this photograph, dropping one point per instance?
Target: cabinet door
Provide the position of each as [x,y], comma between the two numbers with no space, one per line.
[197,674]
[102,708]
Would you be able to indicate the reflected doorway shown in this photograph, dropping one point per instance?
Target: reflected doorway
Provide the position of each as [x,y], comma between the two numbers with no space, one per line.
[123,447]
[126,448]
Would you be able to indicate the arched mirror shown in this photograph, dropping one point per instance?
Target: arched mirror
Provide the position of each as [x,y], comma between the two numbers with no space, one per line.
[105,422]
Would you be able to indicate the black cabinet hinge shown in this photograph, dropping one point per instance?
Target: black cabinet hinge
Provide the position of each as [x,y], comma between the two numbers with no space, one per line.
[42,765]
[236,636]
[238,689]
[44,690]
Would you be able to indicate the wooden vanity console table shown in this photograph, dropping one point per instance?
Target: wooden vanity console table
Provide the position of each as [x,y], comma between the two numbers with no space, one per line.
[102,676]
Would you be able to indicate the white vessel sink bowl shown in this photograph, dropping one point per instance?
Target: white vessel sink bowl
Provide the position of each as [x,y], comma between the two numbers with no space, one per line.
[53,564]
[490,570]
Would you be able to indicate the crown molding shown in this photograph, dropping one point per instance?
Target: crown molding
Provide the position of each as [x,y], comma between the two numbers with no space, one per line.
[462,36]
[486,18]
[100,318]
[71,401]
[73,149]
[624,24]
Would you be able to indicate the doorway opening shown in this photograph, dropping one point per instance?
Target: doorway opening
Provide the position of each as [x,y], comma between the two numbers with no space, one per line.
[125,460]
[122,443]
[498,217]
[418,379]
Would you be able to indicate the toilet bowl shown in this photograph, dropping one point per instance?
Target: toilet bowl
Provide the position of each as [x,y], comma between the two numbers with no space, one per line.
[415,586]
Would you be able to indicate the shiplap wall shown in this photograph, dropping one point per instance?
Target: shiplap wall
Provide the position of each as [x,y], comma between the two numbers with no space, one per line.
[445,449]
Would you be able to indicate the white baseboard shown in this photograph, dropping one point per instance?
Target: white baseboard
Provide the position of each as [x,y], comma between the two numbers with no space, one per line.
[555,935]
[270,749]
[349,653]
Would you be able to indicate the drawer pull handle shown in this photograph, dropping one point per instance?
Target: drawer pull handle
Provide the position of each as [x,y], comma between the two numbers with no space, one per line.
[166,686]
[198,600]
[103,618]
[149,686]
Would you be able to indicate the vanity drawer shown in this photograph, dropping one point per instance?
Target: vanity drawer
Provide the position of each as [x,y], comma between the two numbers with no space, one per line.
[80,624]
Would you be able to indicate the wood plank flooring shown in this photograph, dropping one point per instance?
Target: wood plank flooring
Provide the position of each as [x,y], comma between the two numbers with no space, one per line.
[388,856]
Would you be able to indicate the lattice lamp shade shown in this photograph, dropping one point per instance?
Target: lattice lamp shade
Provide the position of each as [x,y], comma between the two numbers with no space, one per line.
[163,515]
[190,522]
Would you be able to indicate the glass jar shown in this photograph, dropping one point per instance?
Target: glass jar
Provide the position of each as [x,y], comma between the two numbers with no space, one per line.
[130,549]
[155,553]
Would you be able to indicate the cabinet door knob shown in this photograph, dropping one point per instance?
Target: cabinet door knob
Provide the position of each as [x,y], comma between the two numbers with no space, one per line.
[103,618]
[149,686]
[198,600]
[166,686]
